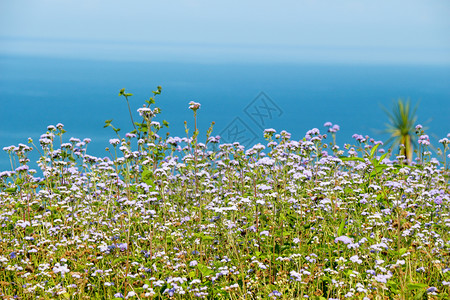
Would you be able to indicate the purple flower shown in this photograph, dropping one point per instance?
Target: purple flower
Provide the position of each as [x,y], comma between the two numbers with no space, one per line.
[438,200]
[23,168]
[170,291]
[424,139]
[214,139]
[74,140]
[265,232]
[313,131]
[193,263]
[275,294]
[114,141]
[345,239]
[122,246]
[382,278]
[269,130]
[334,129]
[297,276]
[359,138]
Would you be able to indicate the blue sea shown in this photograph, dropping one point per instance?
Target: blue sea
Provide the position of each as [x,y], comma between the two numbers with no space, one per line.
[242,99]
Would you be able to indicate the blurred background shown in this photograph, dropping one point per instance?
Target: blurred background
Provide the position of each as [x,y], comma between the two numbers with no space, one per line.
[288,65]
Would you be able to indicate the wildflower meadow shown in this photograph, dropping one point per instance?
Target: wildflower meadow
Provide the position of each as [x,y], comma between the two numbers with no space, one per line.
[166,217]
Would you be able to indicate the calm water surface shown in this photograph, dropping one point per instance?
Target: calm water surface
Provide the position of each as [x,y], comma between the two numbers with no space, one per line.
[81,94]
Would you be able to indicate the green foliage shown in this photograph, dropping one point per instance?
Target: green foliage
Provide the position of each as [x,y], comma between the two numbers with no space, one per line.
[165,215]
[401,127]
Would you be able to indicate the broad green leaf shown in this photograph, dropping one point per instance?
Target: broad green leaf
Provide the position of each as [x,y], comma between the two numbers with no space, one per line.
[146,177]
[374,150]
[341,227]
[204,270]
[419,296]
[11,190]
[417,286]
[383,157]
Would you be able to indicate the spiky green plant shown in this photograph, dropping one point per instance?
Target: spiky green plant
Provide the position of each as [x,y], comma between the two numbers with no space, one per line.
[402,119]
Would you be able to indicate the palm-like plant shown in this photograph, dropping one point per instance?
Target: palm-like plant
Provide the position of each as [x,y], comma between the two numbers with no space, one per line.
[401,127]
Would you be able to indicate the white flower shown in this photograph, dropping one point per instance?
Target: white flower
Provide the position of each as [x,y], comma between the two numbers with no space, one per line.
[356,259]
[145,111]
[297,276]
[344,239]
[193,263]
[194,105]
[114,141]
[61,269]
[131,294]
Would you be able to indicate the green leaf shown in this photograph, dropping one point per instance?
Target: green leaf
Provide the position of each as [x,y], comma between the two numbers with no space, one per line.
[341,227]
[345,158]
[348,272]
[207,238]
[373,151]
[107,123]
[383,157]
[419,296]
[378,170]
[121,92]
[11,190]
[204,270]
[417,286]
[146,177]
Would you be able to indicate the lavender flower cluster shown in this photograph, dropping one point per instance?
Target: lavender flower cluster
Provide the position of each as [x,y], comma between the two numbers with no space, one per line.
[174,219]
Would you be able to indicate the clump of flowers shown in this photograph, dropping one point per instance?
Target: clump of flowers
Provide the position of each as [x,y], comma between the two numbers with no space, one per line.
[168,217]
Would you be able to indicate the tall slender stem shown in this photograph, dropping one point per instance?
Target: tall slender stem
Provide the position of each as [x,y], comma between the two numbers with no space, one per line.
[131,116]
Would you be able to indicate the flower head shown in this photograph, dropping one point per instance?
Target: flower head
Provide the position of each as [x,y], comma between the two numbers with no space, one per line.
[344,239]
[194,105]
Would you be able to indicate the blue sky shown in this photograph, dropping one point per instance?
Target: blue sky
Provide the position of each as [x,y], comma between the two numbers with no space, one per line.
[359,31]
